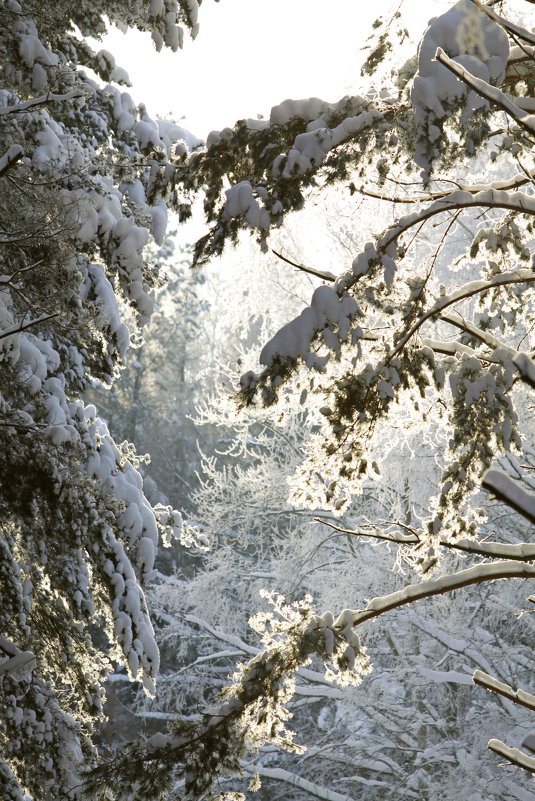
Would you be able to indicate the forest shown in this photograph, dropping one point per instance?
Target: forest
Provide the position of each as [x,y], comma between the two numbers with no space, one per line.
[267,489]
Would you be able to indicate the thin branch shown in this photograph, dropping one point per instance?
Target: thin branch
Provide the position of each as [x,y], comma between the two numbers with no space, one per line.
[19,271]
[24,326]
[374,535]
[327,276]
[490,93]
[50,97]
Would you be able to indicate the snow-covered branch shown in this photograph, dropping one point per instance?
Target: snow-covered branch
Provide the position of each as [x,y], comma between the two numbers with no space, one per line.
[293,779]
[493,685]
[50,97]
[513,755]
[440,586]
[522,552]
[458,199]
[510,492]
[466,291]
[491,93]
[10,158]
[327,276]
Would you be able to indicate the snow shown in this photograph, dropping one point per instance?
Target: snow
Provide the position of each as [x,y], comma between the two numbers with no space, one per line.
[307,109]
[310,149]
[50,146]
[240,201]
[294,339]
[473,41]
[526,367]
[514,755]
[510,492]
[31,50]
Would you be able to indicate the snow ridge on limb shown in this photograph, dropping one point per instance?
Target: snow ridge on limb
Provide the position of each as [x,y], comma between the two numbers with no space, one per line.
[510,492]
[495,686]
[513,755]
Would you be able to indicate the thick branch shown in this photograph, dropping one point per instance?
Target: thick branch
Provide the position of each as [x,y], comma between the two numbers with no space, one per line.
[493,685]
[440,586]
[513,755]
[510,492]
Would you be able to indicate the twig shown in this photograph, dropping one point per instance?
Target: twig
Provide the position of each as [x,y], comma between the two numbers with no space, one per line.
[374,535]
[327,276]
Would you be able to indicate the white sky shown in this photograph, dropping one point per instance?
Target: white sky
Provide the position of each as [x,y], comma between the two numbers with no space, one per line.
[252,54]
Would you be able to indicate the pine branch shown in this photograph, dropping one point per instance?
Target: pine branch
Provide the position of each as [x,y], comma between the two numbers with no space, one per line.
[490,93]
[50,97]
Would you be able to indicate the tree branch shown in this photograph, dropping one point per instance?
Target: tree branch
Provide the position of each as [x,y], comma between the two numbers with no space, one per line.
[467,291]
[523,552]
[327,276]
[24,326]
[10,158]
[493,685]
[513,755]
[279,774]
[522,33]
[374,535]
[510,492]
[426,589]
[490,93]
[50,97]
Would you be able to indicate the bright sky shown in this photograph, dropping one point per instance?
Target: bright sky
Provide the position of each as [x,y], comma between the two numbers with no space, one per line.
[252,54]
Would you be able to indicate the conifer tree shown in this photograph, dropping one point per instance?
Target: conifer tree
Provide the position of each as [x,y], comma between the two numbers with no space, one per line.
[411,330]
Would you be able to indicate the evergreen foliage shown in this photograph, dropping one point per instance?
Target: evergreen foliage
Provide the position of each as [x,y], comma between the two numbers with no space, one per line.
[411,330]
